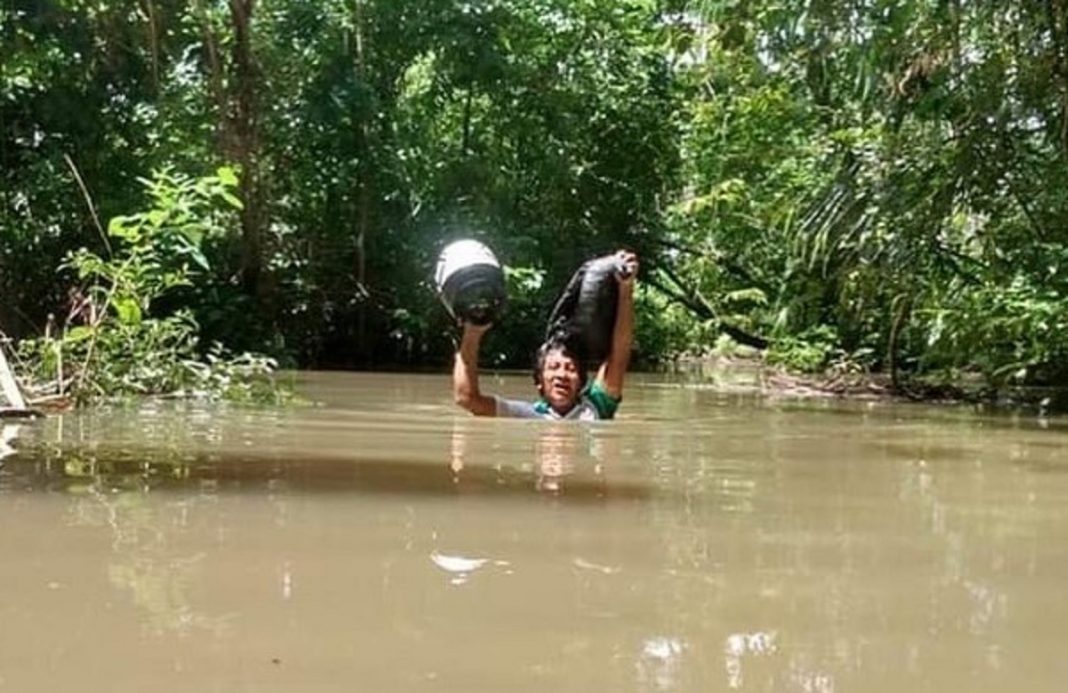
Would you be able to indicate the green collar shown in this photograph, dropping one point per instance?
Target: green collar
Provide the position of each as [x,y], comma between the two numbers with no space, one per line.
[542,405]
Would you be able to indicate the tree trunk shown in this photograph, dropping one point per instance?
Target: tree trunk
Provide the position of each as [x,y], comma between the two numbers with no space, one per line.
[1057,29]
[244,145]
[152,35]
[465,142]
[904,306]
[216,84]
[363,195]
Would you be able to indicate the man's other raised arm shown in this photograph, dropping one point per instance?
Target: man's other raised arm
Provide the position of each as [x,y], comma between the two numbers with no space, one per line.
[613,370]
[465,374]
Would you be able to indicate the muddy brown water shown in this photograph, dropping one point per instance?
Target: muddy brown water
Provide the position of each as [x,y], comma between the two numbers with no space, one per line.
[381,540]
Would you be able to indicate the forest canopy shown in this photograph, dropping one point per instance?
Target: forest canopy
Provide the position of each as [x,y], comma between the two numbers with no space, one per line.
[879,183]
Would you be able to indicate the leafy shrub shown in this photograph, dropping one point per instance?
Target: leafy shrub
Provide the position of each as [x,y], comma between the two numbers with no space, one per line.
[809,352]
[1008,331]
[113,343]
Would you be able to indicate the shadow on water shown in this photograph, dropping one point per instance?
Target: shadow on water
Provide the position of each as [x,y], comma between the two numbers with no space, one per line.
[557,468]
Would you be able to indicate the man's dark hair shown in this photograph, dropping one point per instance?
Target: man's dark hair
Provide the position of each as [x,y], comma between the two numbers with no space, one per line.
[553,345]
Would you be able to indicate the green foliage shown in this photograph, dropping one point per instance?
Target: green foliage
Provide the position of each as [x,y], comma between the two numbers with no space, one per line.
[890,176]
[1007,333]
[809,352]
[869,184]
[115,343]
[666,330]
[244,377]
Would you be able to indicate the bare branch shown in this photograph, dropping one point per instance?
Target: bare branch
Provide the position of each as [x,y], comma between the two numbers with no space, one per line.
[88,201]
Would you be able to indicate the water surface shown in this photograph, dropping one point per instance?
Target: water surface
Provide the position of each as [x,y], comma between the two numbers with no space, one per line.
[382,540]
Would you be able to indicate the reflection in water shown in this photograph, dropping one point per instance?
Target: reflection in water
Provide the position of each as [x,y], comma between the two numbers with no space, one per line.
[740,646]
[571,457]
[460,568]
[9,433]
[160,588]
[555,456]
[583,564]
[659,663]
[157,577]
[698,543]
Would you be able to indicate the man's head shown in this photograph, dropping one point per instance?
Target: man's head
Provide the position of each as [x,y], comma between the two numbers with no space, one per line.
[559,375]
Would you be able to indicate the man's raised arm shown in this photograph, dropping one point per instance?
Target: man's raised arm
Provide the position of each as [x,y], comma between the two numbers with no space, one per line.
[465,374]
[615,366]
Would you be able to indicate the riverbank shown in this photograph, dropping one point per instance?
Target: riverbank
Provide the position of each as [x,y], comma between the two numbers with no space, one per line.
[751,374]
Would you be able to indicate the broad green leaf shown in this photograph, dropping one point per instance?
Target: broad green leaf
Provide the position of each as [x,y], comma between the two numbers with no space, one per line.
[78,334]
[128,310]
[226,175]
[232,199]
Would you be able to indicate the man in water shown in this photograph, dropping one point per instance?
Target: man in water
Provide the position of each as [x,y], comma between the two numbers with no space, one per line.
[560,377]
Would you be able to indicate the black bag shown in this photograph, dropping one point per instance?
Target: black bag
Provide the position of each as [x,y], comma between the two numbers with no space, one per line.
[585,314]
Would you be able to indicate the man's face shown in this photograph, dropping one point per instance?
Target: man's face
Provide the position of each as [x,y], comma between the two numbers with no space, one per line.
[560,381]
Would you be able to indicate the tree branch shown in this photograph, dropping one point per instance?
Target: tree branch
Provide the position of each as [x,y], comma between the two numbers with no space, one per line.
[699,305]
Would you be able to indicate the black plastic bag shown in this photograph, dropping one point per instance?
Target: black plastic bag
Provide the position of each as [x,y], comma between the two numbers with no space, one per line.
[585,314]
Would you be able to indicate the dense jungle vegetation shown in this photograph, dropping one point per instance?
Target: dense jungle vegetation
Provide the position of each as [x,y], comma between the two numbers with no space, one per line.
[868,184]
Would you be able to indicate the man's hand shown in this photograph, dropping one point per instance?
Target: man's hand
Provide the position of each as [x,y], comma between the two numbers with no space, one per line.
[474,330]
[627,262]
